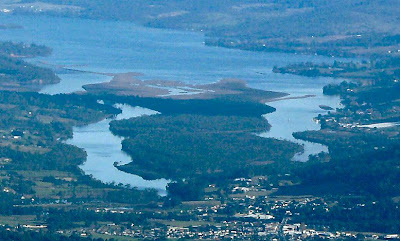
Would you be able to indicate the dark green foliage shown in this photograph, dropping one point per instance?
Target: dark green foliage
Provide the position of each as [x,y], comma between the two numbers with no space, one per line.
[352,213]
[20,71]
[333,28]
[365,162]
[61,157]
[341,27]
[219,106]
[382,72]
[24,50]
[189,124]
[7,200]
[14,70]
[215,148]
[380,95]
[360,175]
[71,218]
[41,121]
[82,108]
[24,235]
[343,87]
[186,190]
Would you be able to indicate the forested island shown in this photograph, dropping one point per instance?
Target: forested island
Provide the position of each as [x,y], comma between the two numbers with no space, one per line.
[203,141]
[200,149]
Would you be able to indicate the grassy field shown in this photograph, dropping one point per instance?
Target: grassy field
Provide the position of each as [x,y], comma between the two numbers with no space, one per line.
[18,220]
[184,224]
[116,238]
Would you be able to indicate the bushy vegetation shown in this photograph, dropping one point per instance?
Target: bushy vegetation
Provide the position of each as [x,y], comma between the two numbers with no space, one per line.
[14,71]
[364,161]
[353,213]
[24,235]
[24,50]
[188,146]
[36,168]
[44,118]
[342,27]
[196,124]
[382,72]
[360,175]
[20,71]
[211,107]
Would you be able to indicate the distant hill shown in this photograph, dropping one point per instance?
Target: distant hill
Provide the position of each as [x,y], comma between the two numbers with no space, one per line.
[335,27]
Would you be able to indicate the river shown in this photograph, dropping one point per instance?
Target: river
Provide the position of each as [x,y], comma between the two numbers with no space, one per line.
[118,47]
[103,149]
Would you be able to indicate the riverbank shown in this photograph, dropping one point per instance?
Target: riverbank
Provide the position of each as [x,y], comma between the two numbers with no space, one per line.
[307,28]
[103,151]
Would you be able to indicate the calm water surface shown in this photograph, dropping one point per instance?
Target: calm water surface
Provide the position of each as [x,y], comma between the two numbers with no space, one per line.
[116,47]
[103,149]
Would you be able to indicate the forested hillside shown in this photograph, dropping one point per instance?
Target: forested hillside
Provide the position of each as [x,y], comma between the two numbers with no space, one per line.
[18,74]
[342,27]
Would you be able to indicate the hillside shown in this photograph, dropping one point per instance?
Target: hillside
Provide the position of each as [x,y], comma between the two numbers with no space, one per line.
[18,74]
[342,27]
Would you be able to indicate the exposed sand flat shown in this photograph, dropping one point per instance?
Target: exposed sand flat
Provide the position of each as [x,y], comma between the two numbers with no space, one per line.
[380,125]
[292,98]
[37,6]
[129,84]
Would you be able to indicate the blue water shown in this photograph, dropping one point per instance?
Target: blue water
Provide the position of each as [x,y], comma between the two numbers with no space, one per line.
[103,149]
[116,47]
[109,46]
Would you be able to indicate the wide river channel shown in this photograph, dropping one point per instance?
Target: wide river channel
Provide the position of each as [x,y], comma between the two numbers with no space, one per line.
[118,47]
